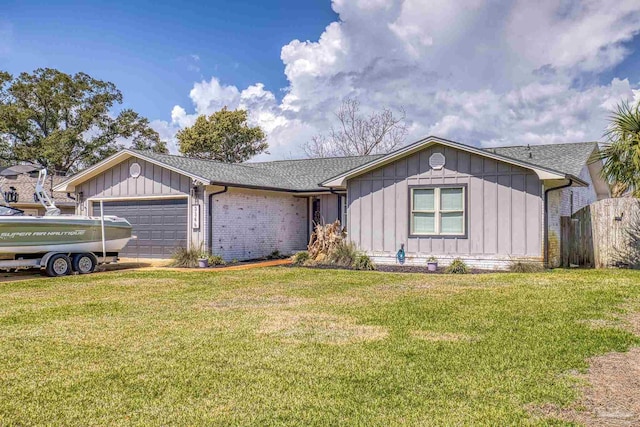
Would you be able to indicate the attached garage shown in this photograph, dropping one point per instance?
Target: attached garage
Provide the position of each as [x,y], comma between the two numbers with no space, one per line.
[237,211]
[160,225]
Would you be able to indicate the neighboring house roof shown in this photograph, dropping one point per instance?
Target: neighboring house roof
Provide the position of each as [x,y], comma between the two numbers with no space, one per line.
[25,187]
[569,158]
[543,171]
[19,169]
[555,162]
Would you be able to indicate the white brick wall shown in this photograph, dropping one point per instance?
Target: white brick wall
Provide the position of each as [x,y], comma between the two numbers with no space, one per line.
[481,262]
[560,204]
[250,224]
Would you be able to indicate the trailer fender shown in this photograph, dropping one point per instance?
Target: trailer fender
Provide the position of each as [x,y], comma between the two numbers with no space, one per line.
[45,259]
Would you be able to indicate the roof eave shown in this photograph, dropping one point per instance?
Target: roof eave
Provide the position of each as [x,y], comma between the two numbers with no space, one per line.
[268,188]
[576,180]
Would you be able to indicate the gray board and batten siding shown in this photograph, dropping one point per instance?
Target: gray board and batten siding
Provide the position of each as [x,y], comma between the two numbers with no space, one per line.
[117,182]
[503,209]
[124,195]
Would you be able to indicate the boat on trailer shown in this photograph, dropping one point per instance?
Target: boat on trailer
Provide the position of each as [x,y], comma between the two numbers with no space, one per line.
[59,244]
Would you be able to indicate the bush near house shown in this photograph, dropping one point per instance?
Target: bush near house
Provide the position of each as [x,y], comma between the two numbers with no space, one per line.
[328,246]
[457,266]
[525,267]
[216,260]
[363,262]
[186,257]
[300,258]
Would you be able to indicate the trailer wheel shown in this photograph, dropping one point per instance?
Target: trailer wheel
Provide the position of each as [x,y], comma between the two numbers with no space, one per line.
[58,265]
[84,263]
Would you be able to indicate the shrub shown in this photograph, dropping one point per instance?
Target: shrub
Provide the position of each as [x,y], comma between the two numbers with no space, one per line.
[363,262]
[186,258]
[216,260]
[343,254]
[525,267]
[275,255]
[457,266]
[300,258]
[324,240]
[310,263]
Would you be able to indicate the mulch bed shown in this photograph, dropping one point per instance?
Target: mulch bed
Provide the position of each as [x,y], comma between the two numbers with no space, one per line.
[245,262]
[423,269]
[387,268]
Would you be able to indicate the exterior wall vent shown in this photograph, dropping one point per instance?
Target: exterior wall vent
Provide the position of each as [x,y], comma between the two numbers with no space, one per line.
[436,161]
[135,170]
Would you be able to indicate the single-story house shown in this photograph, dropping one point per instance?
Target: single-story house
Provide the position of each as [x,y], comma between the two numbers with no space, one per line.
[434,197]
[18,184]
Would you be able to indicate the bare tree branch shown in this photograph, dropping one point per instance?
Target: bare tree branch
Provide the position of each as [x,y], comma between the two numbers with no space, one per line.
[359,135]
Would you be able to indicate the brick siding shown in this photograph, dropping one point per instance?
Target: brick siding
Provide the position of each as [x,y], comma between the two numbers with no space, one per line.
[566,202]
[249,224]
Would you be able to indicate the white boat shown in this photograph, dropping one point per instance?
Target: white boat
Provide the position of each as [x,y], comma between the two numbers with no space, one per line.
[74,238]
[21,234]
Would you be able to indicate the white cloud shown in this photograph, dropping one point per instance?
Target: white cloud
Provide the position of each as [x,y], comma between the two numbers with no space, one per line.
[484,72]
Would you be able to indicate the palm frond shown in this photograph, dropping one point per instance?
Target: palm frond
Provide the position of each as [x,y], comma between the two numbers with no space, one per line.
[621,153]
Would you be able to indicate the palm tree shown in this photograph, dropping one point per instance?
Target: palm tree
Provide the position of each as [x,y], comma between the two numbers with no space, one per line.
[621,153]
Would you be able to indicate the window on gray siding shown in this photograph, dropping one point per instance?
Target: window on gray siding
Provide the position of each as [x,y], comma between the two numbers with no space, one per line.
[438,211]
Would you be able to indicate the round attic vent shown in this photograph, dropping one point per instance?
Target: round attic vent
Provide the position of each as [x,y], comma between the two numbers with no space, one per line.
[436,161]
[135,170]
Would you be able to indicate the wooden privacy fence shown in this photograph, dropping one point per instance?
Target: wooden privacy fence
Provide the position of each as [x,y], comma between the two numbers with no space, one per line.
[603,234]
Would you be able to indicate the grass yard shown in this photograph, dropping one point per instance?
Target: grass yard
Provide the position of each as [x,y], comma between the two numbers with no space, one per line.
[304,347]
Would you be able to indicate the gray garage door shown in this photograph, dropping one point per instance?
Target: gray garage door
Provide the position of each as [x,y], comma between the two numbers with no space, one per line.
[161,225]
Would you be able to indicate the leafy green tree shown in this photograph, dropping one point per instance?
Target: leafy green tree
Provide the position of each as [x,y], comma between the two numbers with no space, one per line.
[63,122]
[621,154]
[224,136]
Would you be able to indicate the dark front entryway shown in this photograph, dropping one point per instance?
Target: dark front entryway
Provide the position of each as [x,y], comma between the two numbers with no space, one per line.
[316,210]
[160,225]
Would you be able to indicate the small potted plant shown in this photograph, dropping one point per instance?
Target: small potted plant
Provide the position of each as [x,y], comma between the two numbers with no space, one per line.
[432,263]
[203,260]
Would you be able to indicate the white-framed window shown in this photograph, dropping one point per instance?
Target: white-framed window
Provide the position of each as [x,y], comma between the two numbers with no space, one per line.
[438,211]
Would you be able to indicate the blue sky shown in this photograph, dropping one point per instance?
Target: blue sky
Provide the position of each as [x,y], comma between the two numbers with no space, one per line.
[147,48]
[482,72]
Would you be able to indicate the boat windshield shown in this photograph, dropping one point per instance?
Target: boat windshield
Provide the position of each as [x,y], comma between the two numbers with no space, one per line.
[8,211]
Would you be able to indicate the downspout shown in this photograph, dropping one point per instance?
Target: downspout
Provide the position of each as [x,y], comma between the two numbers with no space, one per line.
[546,218]
[333,191]
[210,217]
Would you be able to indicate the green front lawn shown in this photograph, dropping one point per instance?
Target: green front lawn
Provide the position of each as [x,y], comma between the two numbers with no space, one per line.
[303,347]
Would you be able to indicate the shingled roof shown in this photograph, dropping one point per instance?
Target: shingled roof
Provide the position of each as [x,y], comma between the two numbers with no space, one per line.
[306,175]
[568,158]
[25,186]
[291,175]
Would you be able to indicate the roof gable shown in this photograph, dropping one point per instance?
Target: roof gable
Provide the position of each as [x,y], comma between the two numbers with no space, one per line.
[543,172]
